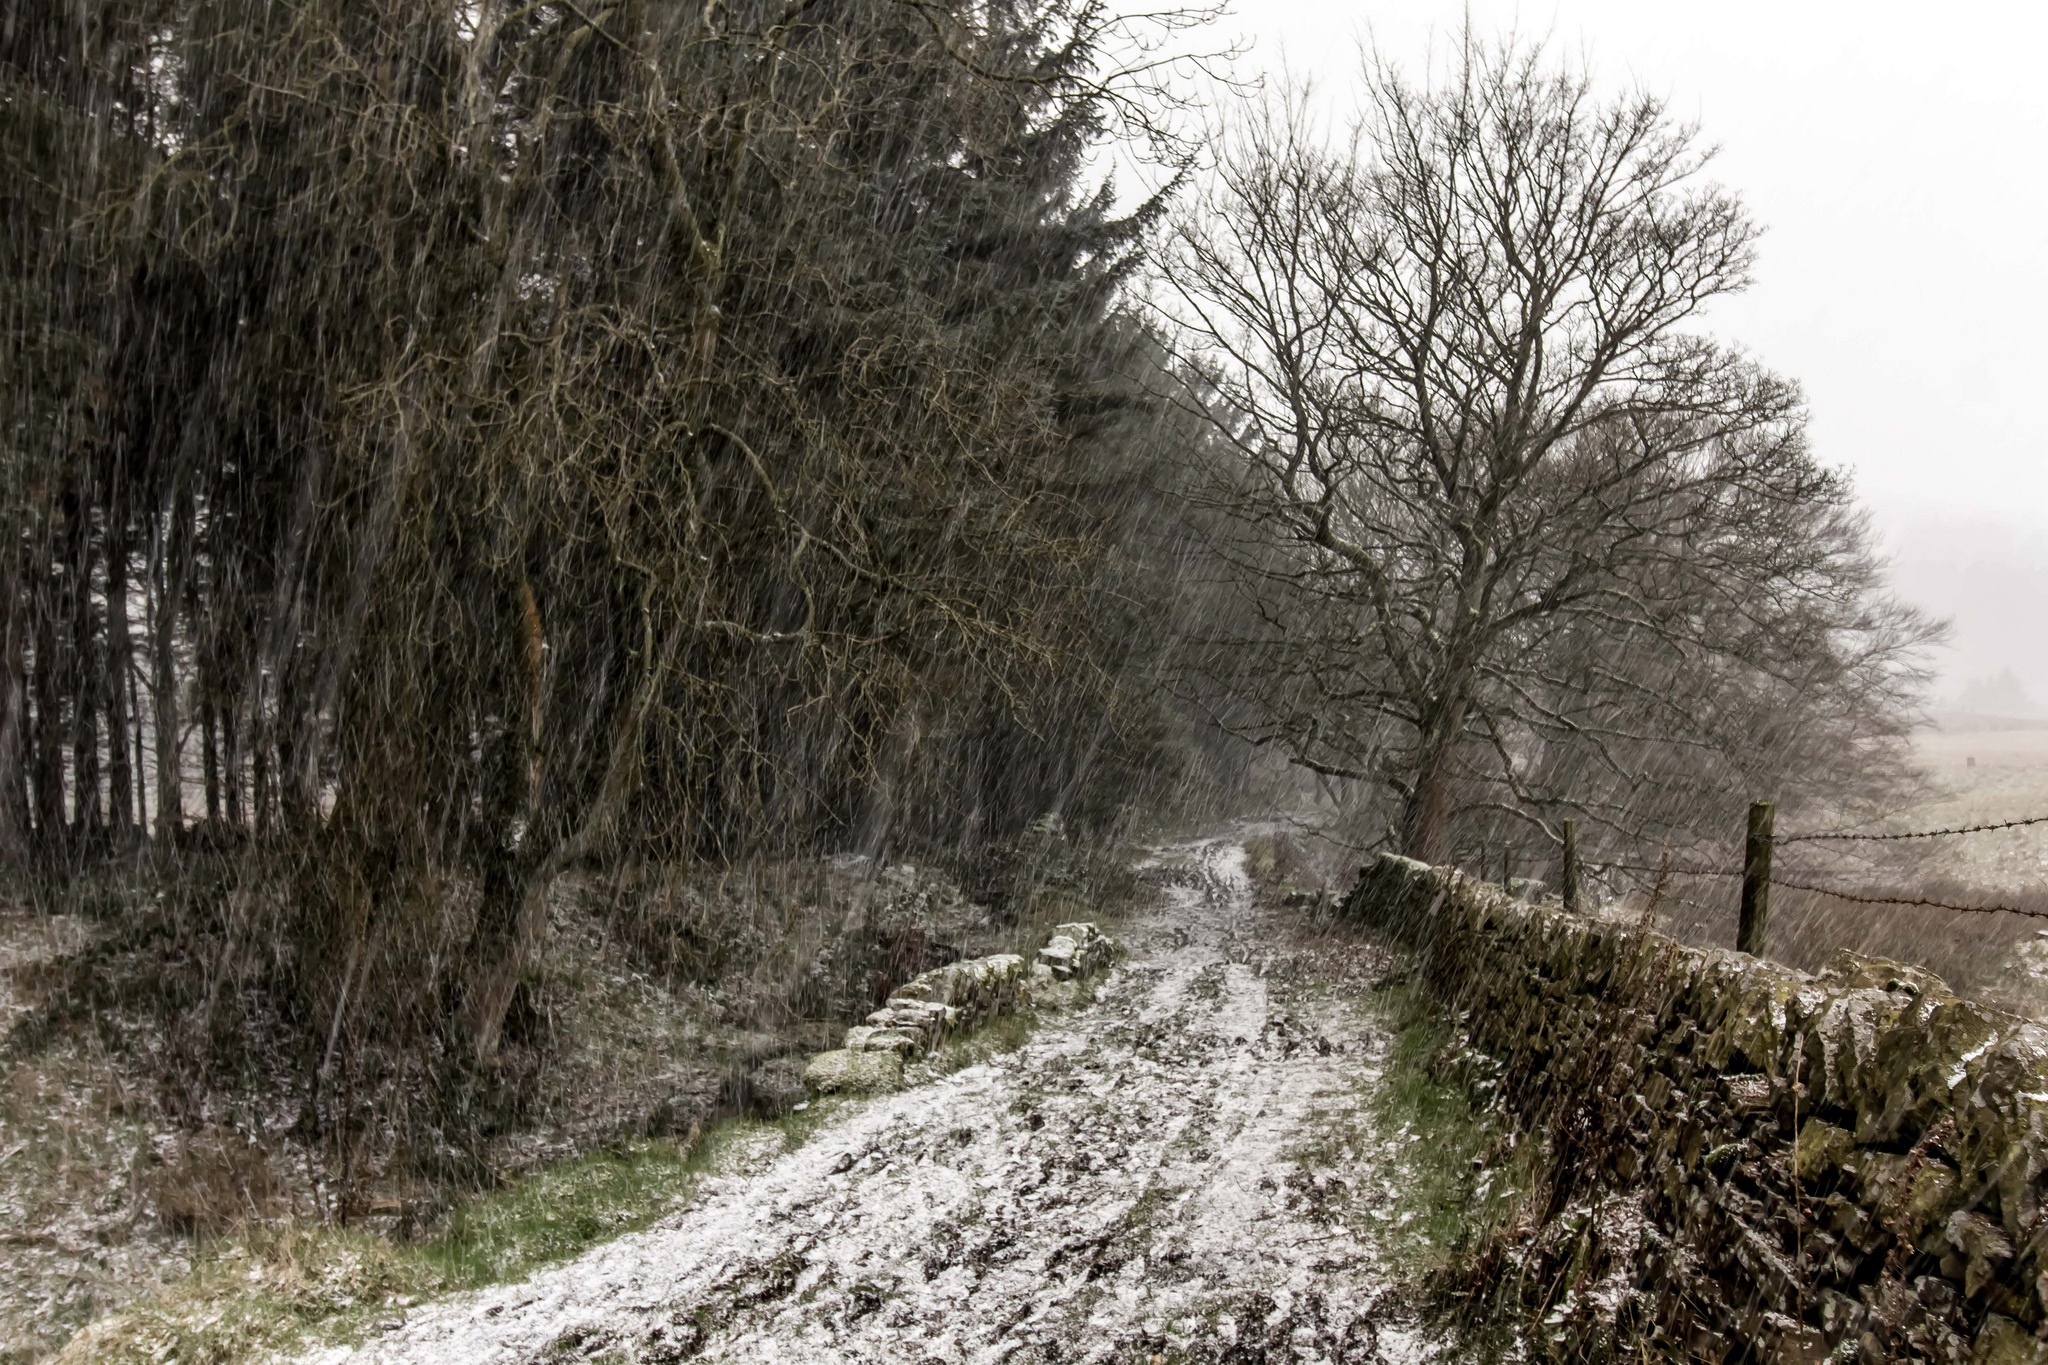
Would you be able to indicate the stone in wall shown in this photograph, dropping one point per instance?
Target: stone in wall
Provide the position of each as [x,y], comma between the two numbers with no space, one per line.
[851,1070]
[924,1022]
[869,1038]
[1853,1163]
[1075,950]
[925,1008]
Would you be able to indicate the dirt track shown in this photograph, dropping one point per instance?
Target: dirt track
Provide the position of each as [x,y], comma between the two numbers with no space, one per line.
[1181,1171]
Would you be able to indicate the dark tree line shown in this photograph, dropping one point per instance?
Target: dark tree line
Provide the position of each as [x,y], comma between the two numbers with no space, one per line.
[446,442]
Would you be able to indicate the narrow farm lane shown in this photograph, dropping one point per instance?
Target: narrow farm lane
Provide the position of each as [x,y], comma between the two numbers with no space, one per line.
[1183,1170]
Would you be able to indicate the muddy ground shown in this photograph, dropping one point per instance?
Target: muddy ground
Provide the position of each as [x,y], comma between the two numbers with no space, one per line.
[1186,1169]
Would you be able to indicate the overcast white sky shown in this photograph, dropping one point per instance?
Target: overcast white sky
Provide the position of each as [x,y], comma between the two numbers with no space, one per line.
[1898,156]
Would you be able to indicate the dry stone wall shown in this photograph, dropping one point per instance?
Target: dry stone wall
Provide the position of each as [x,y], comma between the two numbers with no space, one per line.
[1742,1161]
[959,995]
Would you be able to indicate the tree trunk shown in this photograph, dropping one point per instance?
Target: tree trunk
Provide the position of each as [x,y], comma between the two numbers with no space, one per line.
[85,771]
[259,761]
[138,732]
[231,765]
[85,692]
[297,736]
[114,681]
[287,733]
[169,579]
[514,918]
[14,826]
[1426,822]
[47,687]
[210,747]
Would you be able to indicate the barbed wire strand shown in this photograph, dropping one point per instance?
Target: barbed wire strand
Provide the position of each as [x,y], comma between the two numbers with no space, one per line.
[1916,901]
[1864,836]
[1842,895]
[1859,837]
[1851,896]
[1672,871]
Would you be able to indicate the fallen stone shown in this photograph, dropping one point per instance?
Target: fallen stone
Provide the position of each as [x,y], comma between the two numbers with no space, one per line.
[1077,949]
[867,1038]
[1094,949]
[1054,994]
[775,1087]
[845,1071]
[1060,956]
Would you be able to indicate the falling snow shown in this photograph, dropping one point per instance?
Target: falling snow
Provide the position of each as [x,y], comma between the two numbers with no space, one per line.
[1129,1183]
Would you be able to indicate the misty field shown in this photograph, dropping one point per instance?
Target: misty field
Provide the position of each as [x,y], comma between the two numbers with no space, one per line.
[1972,776]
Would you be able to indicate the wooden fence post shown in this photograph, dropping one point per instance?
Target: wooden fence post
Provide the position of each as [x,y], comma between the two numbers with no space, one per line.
[1570,878]
[1751,928]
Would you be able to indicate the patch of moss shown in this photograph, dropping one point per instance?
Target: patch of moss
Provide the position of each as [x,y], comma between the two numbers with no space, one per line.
[1004,1033]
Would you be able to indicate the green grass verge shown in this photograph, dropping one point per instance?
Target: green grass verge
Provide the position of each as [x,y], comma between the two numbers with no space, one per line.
[555,1213]
[1004,1033]
[1453,1190]
[1462,1184]
[251,1297]
[254,1296]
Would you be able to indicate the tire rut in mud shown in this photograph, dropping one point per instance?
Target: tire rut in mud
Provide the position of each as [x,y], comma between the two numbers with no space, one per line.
[1154,1176]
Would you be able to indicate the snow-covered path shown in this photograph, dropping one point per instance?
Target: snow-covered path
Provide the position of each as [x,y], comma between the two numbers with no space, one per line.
[1182,1170]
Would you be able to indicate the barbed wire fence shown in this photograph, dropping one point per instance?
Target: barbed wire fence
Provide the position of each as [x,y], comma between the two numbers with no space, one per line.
[1758,876]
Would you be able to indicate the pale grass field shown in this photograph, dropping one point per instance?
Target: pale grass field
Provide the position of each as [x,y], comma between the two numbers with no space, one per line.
[1990,775]
[1986,776]
[1974,777]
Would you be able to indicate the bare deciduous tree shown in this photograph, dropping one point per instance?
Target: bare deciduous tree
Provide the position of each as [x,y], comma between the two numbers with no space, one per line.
[1518,502]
